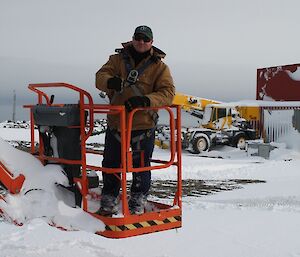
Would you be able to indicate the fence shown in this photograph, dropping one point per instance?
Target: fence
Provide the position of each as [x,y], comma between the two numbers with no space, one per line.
[277,122]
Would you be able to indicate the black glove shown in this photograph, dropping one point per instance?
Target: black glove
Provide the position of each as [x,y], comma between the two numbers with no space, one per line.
[114,83]
[137,101]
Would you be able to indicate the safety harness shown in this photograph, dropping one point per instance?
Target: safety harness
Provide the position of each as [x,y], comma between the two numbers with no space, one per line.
[132,78]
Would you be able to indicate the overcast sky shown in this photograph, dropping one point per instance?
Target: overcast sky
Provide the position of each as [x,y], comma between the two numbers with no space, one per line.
[213,47]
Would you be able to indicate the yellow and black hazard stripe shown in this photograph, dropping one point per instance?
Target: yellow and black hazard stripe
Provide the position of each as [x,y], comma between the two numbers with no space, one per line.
[142,224]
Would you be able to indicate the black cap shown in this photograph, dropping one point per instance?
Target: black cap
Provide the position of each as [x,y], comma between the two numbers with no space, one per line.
[145,30]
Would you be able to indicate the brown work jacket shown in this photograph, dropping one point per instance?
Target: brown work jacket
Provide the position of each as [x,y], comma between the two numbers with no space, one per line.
[155,82]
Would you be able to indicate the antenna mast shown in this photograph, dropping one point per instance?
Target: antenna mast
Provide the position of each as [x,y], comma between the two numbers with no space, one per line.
[14,106]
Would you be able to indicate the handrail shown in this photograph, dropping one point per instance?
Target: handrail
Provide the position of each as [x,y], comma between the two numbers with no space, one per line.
[82,94]
[172,140]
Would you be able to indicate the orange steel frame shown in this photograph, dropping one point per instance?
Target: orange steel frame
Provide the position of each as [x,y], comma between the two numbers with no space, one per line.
[121,226]
[13,184]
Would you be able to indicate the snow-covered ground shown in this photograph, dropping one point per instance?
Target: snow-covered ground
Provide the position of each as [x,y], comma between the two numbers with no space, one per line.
[260,219]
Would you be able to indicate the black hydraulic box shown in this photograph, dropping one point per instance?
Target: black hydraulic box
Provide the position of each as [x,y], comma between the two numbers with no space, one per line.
[60,116]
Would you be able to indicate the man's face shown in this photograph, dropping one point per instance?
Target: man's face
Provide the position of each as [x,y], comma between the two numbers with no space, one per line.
[141,43]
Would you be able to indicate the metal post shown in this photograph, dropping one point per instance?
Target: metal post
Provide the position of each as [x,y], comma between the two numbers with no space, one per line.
[14,107]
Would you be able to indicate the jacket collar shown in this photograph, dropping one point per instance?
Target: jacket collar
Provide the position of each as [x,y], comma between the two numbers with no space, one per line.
[154,51]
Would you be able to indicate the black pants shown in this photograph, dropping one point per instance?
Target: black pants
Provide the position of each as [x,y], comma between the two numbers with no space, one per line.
[112,159]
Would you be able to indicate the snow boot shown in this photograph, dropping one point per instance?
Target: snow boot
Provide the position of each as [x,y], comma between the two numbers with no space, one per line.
[109,205]
[137,203]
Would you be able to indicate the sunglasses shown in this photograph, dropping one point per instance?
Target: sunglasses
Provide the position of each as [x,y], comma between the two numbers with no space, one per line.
[139,37]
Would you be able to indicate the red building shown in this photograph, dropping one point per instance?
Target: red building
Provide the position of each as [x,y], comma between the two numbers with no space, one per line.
[279,83]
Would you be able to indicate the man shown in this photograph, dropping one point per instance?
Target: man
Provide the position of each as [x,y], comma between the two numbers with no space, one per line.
[134,77]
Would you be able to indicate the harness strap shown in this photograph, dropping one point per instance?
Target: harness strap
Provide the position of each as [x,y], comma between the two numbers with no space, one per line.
[129,67]
[132,76]
[135,89]
[137,139]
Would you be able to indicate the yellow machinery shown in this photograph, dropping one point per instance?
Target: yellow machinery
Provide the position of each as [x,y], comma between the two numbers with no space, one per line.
[220,123]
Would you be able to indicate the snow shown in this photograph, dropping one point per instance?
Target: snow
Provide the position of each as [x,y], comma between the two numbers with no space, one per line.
[38,195]
[294,75]
[261,219]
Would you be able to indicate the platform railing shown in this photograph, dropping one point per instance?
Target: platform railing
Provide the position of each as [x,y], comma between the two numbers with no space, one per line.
[86,129]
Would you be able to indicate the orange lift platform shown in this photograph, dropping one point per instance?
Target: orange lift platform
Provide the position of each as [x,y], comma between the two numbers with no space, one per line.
[160,216]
